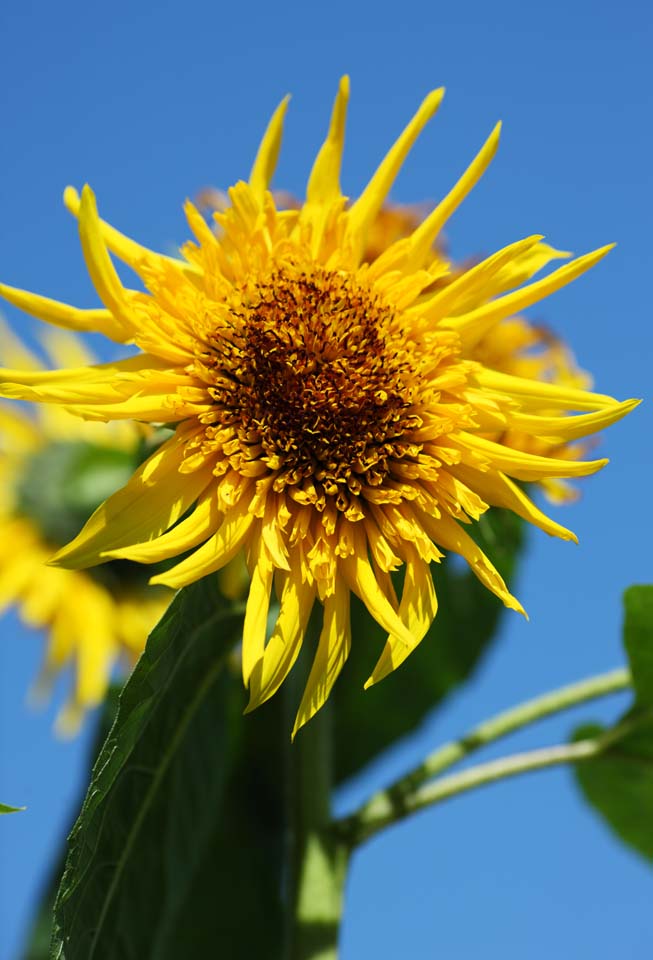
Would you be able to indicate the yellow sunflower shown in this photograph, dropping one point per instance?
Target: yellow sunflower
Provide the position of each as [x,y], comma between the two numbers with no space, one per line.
[329,419]
[513,346]
[91,621]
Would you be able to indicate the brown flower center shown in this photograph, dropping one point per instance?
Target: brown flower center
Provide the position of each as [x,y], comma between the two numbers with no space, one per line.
[313,376]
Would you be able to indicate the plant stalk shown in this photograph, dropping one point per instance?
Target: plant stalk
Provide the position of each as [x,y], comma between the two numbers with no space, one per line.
[404,797]
[317,858]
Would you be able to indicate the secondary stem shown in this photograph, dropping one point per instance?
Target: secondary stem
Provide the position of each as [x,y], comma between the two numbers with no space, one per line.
[404,797]
[505,767]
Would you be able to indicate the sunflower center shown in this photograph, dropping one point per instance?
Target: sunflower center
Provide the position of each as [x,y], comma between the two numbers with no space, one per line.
[314,376]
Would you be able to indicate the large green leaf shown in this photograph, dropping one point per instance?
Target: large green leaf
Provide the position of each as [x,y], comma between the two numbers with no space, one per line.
[638,639]
[619,782]
[233,906]
[5,808]
[368,722]
[157,793]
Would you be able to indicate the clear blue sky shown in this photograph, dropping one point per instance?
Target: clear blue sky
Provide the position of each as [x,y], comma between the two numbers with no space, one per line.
[151,101]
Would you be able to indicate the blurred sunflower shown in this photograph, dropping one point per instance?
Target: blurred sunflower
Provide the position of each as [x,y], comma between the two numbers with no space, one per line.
[54,470]
[329,418]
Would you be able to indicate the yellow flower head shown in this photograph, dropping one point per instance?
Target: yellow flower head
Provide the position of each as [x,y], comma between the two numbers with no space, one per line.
[513,346]
[91,622]
[330,420]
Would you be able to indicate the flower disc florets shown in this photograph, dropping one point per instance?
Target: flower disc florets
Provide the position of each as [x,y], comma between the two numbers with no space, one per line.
[315,378]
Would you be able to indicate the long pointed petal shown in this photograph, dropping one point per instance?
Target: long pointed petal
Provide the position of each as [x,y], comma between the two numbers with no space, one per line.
[63,315]
[324,180]
[100,267]
[215,553]
[424,236]
[154,499]
[359,574]
[449,534]
[366,207]
[500,491]
[475,324]
[418,608]
[535,393]
[256,611]
[297,599]
[202,523]
[129,251]
[444,302]
[571,428]
[332,652]
[268,153]
[526,466]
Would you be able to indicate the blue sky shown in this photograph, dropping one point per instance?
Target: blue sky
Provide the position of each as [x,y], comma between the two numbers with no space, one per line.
[151,102]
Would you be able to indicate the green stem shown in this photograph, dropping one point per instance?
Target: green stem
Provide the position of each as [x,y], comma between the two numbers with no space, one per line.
[318,859]
[404,797]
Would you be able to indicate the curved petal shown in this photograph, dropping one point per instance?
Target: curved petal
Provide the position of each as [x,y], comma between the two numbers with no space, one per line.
[297,598]
[200,524]
[215,553]
[422,239]
[417,610]
[154,499]
[330,657]
[268,153]
[364,210]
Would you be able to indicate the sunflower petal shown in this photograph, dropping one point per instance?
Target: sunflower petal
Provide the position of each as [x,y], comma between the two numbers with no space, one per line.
[422,239]
[332,652]
[129,251]
[324,181]
[268,153]
[417,610]
[297,599]
[475,324]
[215,553]
[153,500]
[364,210]
[449,534]
[256,611]
[188,533]
[63,315]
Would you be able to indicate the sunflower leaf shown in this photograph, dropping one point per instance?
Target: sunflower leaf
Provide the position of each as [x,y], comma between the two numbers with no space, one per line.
[638,640]
[461,634]
[161,783]
[5,808]
[619,784]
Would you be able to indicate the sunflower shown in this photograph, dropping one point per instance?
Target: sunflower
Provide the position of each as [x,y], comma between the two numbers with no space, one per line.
[91,622]
[329,420]
[514,346]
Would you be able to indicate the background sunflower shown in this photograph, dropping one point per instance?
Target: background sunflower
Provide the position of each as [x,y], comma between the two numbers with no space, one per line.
[54,468]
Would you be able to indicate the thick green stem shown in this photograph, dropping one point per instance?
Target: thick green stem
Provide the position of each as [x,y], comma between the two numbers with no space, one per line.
[404,796]
[317,858]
